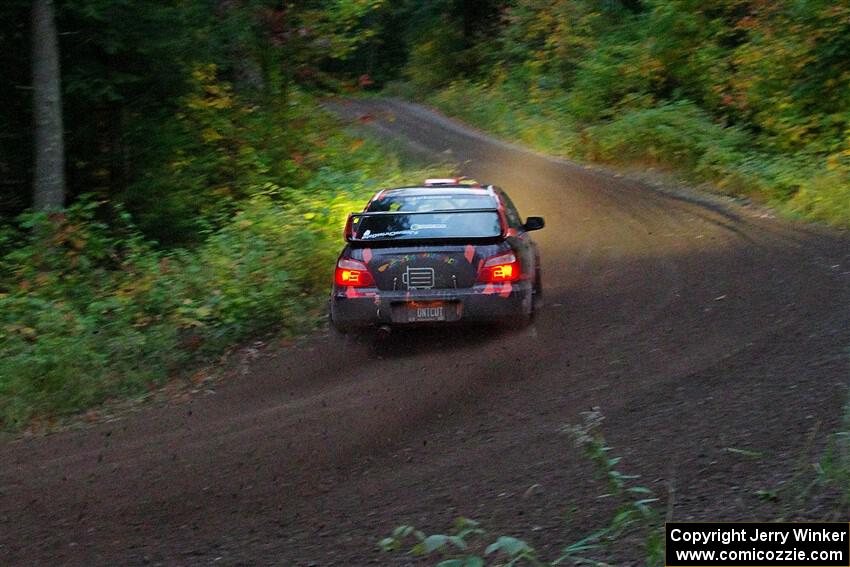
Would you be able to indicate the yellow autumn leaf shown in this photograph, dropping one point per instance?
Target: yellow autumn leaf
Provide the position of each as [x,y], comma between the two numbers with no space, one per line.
[210,135]
[833,162]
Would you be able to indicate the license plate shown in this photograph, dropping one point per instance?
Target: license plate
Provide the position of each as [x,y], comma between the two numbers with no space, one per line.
[424,312]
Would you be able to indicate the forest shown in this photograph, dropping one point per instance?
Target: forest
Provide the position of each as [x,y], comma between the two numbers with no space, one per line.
[170,184]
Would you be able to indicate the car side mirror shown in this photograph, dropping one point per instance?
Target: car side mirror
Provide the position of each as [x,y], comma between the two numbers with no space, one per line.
[533,223]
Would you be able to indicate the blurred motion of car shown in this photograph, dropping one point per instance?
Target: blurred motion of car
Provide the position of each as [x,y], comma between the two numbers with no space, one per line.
[449,251]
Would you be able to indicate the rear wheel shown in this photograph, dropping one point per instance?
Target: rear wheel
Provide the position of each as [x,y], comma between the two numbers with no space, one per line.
[337,330]
[526,317]
[344,339]
[538,291]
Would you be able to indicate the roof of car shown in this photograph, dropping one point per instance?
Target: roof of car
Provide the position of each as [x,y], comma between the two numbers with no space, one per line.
[436,190]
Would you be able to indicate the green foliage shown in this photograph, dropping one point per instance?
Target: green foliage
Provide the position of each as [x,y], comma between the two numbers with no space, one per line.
[834,466]
[635,510]
[428,67]
[90,309]
[612,79]
[335,25]
[441,40]
[544,43]
[220,149]
[539,124]
[467,546]
[678,133]
[753,97]
[463,548]
[791,79]
[825,196]
[215,151]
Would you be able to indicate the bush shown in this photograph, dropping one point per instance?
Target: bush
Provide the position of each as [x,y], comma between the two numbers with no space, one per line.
[825,197]
[89,317]
[674,133]
[90,309]
[540,124]
[611,79]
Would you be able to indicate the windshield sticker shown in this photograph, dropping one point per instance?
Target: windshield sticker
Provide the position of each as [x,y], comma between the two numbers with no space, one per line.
[368,235]
[428,226]
[412,231]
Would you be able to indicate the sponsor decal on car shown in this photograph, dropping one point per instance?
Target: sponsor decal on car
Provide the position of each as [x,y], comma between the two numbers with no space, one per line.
[418,278]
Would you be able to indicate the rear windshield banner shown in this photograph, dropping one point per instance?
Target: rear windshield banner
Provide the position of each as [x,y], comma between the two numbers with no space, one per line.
[436,225]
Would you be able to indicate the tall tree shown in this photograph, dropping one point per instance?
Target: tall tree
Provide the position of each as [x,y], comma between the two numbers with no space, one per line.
[49,173]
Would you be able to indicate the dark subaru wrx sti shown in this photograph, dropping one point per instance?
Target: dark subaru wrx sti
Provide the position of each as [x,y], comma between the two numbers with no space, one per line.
[446,252]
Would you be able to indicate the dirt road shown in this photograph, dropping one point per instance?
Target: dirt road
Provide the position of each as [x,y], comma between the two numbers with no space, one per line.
[695,328]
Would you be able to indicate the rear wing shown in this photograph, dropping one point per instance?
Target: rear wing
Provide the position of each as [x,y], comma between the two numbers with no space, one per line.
[354,220]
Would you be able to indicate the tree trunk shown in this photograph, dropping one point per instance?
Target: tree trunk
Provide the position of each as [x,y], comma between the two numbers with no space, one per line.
[247,70]
[49,174]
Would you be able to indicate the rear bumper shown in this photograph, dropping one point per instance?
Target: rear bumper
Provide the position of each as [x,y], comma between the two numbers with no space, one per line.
[480,304]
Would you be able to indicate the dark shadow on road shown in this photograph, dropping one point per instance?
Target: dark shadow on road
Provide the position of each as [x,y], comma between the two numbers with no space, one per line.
[400,343]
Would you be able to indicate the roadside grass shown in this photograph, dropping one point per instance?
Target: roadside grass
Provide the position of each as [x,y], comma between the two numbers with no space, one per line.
[92,310]
[637,516]
[833,469]
[823,478]
[677,137]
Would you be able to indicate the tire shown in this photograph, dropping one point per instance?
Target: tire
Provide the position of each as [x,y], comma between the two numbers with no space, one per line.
[342,338]
[527,317]
[335,327]
[538,292]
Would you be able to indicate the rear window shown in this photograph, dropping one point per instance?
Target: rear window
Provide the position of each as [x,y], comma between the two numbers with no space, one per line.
[426,225]
[432,202]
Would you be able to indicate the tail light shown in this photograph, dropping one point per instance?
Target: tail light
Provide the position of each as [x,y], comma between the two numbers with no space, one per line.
[352,273]
[501,268]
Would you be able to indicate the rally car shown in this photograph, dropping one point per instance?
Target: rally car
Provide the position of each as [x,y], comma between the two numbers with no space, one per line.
[448,251]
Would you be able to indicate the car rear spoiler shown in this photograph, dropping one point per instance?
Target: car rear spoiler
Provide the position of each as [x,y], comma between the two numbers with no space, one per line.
[355,217]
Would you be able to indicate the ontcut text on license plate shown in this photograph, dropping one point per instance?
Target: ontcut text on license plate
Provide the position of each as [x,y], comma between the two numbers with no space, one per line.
[429,312]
